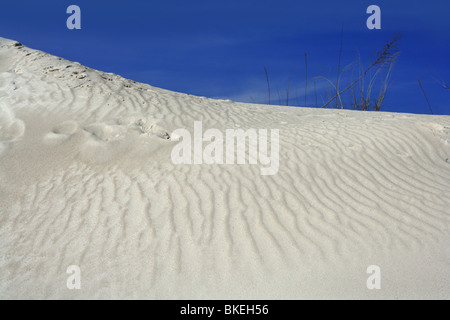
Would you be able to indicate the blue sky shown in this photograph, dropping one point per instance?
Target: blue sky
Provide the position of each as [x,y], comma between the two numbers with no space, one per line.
[219,49]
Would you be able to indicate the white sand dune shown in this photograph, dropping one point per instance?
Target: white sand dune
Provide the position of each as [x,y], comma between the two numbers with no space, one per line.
[86,178]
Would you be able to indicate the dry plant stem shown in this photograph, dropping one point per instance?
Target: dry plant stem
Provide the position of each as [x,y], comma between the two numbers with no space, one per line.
[339,67]
[289,84]
[268,83]
[306,75]
[315,93]
[425,95]
[386,56]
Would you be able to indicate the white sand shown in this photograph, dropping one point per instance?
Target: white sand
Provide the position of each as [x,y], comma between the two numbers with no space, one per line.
[86,179]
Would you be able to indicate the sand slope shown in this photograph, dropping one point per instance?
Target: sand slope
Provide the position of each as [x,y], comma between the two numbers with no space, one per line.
[86,179]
